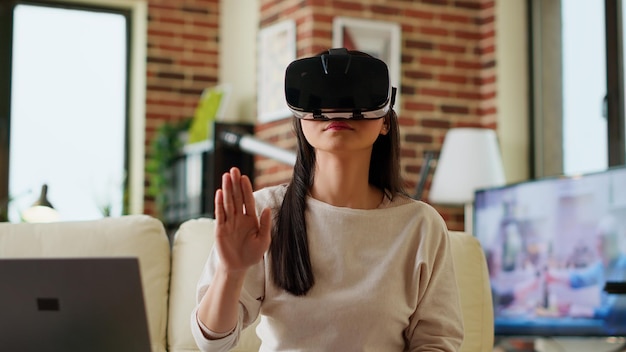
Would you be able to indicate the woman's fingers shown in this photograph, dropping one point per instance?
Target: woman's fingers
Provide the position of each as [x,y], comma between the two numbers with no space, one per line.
[236,196]
[220,216]
[235,177]
[248,197]
[227,192]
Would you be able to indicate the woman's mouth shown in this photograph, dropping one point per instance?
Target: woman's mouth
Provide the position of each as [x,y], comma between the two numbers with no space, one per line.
[336,126]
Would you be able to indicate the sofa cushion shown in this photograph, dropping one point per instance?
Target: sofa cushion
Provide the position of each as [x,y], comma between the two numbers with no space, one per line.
[192,244]
[138,236]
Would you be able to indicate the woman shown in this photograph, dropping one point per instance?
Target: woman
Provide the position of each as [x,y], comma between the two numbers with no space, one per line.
[340,259]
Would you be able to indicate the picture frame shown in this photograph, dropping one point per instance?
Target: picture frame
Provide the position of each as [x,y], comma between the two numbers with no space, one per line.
[276,50]
[381,39]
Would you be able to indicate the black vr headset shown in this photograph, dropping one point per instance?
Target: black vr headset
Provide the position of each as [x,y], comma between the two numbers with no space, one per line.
[339,84]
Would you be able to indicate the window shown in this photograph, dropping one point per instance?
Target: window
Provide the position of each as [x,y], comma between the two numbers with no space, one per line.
[68,99]
[68,115]
[577,100]
[584,86]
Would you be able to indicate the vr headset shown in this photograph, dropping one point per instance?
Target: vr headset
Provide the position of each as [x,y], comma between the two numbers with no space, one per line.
[338,84]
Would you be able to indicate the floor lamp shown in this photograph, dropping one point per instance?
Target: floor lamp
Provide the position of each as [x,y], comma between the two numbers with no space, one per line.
[469,160]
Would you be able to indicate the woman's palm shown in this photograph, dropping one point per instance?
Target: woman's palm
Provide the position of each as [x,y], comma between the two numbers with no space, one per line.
[241,238]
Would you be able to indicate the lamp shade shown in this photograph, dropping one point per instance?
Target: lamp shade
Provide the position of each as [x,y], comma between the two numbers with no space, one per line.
[469,160]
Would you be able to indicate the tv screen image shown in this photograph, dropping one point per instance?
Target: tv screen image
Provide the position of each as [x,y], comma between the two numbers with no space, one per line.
[551,246]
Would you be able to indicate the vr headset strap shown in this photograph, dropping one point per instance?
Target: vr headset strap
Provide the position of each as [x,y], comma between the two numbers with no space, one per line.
[338,51]
[344,51]
[334,51]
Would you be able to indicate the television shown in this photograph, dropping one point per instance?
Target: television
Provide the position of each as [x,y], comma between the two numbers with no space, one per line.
[552,245]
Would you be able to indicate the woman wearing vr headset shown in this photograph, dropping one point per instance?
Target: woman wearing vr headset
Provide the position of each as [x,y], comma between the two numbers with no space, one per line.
[339,259]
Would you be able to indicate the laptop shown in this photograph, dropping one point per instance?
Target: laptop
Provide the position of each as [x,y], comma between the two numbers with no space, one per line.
[72,304]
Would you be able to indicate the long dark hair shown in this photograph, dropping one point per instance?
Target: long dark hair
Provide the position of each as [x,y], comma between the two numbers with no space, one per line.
[289,252]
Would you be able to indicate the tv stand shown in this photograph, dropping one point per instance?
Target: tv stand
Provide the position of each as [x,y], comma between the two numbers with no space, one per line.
[615,287]
[559,344]
[515,344]
[580,344]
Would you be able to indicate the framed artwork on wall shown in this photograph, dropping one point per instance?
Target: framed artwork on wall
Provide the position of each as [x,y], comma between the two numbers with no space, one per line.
[380,39]
[276,50]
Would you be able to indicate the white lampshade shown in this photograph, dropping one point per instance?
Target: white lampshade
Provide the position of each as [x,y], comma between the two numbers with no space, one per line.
[469,160]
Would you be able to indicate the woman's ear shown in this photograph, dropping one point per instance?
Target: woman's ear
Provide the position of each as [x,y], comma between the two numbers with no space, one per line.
[384,129]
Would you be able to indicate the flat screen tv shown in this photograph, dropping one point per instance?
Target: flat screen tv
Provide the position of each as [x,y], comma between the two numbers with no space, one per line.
[551,246]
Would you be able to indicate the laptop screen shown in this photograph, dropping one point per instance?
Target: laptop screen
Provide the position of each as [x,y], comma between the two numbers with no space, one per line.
[72,304]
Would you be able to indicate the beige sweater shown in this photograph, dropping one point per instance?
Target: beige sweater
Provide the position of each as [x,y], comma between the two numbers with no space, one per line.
[384,281]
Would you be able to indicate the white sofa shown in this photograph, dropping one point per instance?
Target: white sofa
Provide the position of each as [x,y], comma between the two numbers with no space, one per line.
[170,271]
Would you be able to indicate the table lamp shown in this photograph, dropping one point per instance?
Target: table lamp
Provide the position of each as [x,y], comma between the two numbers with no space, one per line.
[469,160]
[42,210]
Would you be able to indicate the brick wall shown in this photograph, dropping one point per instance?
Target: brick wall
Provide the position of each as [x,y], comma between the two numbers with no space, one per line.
[447,71]
[182,60]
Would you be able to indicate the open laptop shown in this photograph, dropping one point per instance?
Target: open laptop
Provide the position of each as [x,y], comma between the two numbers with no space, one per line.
[72,304]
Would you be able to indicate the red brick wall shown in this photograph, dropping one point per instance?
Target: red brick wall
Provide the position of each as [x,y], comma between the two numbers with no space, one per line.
[447,72]
[182,60]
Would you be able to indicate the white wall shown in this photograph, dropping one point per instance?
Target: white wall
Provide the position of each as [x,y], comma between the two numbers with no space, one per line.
[512,87]
[238,32]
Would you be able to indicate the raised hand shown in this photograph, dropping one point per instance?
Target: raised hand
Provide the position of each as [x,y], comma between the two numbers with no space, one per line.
[241,237]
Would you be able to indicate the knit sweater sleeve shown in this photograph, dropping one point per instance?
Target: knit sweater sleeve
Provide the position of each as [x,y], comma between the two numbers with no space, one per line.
[249,304]
[252,293]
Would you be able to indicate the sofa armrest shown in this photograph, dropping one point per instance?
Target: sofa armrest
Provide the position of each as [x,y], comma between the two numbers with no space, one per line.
[138,236]
[472,278]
